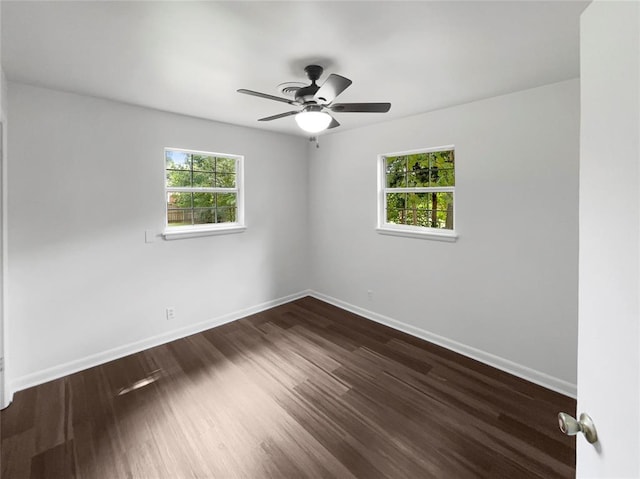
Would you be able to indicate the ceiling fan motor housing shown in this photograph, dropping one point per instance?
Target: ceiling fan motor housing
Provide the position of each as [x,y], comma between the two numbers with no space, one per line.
[305,94]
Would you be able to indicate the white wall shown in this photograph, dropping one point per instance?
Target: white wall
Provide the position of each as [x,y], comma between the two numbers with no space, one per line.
[506,291]
[609,303]
[86,181]
[5,394]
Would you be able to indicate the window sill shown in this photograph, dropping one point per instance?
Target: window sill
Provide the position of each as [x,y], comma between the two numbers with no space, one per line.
[449,236]
[175,234]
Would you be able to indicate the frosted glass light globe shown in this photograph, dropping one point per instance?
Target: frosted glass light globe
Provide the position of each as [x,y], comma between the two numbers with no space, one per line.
[313,121]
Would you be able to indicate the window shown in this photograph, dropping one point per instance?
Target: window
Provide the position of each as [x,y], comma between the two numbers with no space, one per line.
[416,193]
[203,192]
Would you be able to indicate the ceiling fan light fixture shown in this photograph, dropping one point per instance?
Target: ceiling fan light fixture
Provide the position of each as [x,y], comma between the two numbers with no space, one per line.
[313,121]
[314,99]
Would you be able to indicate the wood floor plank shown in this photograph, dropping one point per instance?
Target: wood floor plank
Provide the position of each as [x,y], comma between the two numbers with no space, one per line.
[301,390]
[55,462]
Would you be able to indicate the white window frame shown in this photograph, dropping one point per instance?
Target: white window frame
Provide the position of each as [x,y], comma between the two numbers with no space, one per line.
[176,232]
[412,231]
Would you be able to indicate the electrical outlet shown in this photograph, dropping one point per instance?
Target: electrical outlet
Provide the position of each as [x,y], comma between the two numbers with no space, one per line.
[370,294]
[171,314]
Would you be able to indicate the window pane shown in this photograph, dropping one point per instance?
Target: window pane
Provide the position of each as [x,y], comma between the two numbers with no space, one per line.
[396,171]
[418,170]
[441,210]
[418,176]
[179,200]
[178,178]
[203,179]
[397,200]
[225,165]
[226,214]
[441,164]
[204,200]
[443,177]
[226,199]
[204,216]
[442,159]
[396,204]
[177,160]
[225,180]
[416,209]
[418,200]
[179,217]
[203,162]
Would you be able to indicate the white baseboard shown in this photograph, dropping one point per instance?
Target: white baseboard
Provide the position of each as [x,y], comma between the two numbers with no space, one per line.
[506,365]
[71,367]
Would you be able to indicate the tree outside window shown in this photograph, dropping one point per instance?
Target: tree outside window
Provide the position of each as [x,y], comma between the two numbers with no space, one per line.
[202,188]
[419,189]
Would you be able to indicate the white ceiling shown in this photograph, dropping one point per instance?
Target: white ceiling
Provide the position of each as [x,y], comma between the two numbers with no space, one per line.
[191,57]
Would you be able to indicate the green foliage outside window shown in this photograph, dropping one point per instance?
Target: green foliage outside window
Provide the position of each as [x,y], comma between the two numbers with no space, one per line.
[428,172]
[197,171]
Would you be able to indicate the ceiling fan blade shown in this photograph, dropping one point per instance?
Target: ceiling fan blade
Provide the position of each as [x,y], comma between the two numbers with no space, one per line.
[334,123]
[360,107]
[331,88]
[280,115]
[268,97]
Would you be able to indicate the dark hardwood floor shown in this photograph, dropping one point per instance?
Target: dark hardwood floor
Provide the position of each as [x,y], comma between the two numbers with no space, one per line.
[301,390]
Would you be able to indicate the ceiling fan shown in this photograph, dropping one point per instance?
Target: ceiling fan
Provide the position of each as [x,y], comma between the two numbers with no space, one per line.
[315,100]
